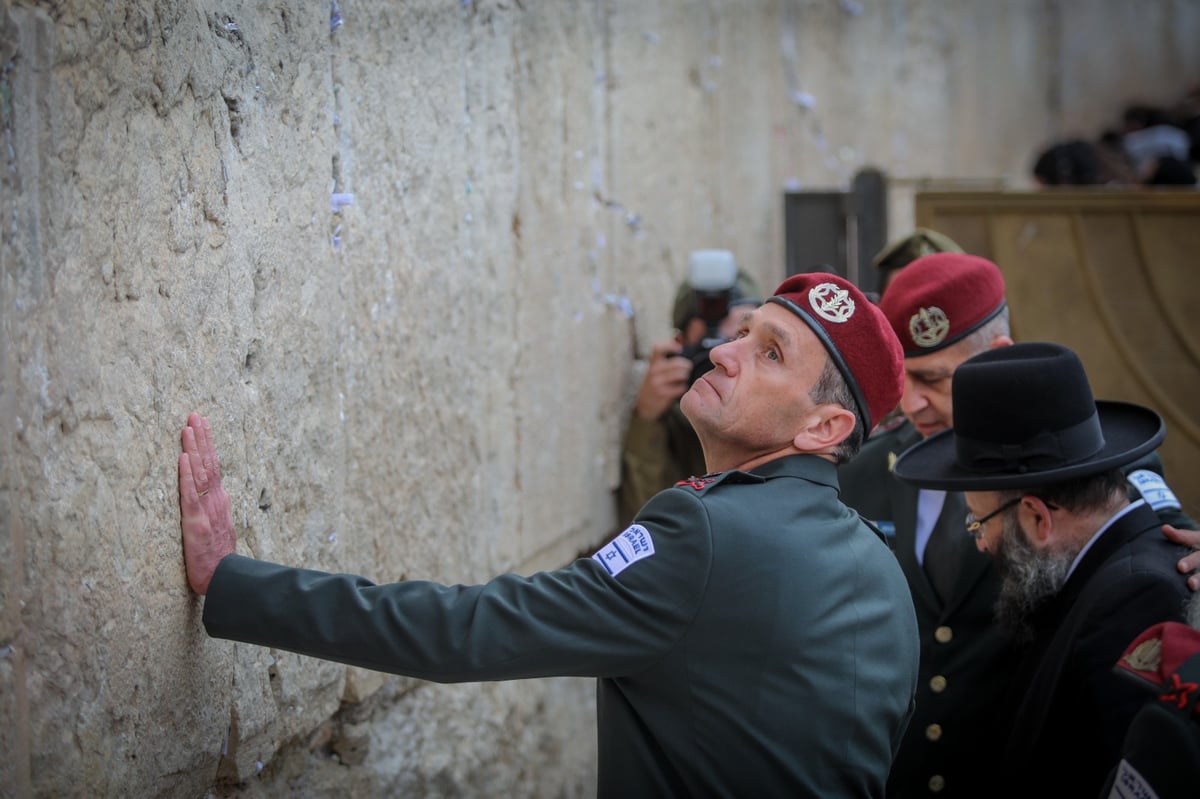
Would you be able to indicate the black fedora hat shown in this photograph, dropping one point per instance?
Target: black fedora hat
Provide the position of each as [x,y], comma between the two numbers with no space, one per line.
[1024,416]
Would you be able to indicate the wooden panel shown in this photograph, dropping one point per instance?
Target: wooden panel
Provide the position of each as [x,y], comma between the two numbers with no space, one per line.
[1113,275]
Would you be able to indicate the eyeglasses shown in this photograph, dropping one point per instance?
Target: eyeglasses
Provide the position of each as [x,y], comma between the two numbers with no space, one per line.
[975,526]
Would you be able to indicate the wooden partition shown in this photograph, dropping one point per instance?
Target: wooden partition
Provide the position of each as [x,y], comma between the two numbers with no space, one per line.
[1113,275]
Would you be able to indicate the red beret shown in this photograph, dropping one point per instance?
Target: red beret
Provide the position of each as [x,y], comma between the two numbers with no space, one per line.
[856,334]
[1158,652]
[940,298]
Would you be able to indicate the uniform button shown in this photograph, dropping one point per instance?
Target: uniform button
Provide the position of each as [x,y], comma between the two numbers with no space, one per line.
[943,635]
[937,683]
[933,732]
[936,783]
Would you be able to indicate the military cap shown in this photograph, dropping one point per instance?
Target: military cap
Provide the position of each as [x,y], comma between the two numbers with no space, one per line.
[856,335]
[904,251]
[941,298]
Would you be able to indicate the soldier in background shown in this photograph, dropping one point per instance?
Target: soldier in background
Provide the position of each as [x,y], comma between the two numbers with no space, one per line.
[1165,661]
[890,260]
[903,251]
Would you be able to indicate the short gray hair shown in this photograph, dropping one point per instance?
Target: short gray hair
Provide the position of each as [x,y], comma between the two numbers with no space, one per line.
[831,388]
[979,340]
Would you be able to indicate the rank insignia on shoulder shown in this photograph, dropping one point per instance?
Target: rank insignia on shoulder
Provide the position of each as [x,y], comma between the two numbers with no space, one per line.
[699,483]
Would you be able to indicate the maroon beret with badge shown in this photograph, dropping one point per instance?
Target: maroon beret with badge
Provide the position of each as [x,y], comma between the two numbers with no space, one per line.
[939,299]
[855,333]
[1158,652]
[1160,755]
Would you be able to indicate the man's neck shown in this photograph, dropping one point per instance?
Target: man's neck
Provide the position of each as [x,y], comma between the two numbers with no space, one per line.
[1082,526]
[748,463]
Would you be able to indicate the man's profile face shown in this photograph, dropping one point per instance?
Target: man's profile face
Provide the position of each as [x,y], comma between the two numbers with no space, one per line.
[927,399]
[1029,575]
[760,382]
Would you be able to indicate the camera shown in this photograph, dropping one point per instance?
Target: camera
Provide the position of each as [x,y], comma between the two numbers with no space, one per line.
[713,285]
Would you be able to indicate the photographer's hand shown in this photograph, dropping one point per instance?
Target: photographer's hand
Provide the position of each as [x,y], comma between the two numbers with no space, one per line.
[667,379]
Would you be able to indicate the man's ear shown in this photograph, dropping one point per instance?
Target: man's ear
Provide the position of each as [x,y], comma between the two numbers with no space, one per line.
[1041,530]
[825,427]
[1000,341]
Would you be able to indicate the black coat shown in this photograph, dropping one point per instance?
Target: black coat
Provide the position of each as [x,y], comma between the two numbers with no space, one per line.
[967,660]
[1072,709]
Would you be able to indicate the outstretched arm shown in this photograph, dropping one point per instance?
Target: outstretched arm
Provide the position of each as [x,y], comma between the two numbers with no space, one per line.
[206,517]
[1190,562]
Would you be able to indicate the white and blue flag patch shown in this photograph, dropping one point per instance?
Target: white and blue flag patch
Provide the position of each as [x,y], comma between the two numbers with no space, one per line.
[1154,489]
[1130,784]
[626,549]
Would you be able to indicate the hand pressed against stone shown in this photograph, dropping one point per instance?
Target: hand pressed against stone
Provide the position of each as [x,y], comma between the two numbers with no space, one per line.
[206,516]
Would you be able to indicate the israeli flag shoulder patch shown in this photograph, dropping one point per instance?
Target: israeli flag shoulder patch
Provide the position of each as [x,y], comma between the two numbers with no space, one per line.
[1128,783]
[1154,489]
[633,544]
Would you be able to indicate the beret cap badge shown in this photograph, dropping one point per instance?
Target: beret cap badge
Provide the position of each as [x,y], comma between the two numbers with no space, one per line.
[929,326]
[857,335]
[831,302]
[1146,656]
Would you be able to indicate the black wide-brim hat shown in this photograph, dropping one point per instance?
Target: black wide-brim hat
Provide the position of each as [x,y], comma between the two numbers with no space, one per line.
[1024,416]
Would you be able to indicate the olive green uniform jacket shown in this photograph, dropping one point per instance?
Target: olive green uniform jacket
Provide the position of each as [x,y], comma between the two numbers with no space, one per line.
[751,635]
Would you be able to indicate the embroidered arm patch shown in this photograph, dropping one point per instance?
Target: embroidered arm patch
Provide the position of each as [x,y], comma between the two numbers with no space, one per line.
[626,549]
[1154,489]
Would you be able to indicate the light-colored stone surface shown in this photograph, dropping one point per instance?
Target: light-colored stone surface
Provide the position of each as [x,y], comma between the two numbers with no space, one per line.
[431,380]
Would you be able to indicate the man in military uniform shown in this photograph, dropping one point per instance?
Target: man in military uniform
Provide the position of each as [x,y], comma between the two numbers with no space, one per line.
[903,251]
[1082,561]
[751,635]
[945,308]
[659,446]
[888,262]
[1160,756]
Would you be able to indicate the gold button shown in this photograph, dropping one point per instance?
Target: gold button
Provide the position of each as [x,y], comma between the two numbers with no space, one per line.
[936,783]
[943,635]
[933,732]
[937,683]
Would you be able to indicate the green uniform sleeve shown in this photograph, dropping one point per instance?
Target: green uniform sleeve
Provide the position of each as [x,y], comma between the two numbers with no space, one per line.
[582,620]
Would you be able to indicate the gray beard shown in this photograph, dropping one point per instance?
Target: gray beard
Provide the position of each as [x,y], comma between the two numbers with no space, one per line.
[1028,579]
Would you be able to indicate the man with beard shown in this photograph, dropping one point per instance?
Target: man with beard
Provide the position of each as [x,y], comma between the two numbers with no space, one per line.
[1084,568]
[945,308]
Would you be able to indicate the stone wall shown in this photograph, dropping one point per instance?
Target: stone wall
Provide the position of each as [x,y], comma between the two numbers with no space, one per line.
[402,255]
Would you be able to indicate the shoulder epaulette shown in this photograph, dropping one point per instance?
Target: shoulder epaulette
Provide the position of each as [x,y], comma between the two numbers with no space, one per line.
[702,484]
